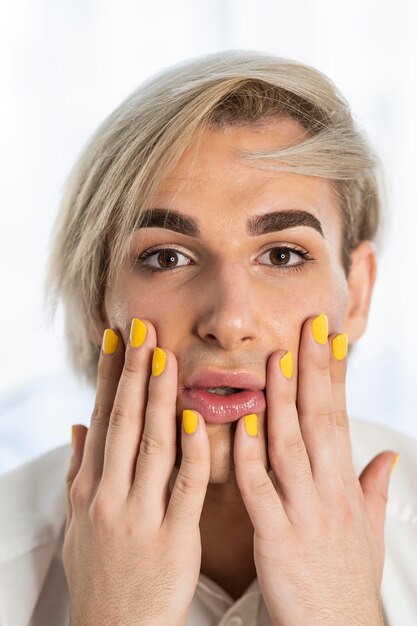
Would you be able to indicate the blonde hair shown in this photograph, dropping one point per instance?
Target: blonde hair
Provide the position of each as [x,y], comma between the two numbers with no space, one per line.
[132,151]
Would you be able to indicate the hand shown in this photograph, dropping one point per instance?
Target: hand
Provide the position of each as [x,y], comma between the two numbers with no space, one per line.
[132,553]
[319,536]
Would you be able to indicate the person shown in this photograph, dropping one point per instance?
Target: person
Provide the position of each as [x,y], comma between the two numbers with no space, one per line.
[215,255]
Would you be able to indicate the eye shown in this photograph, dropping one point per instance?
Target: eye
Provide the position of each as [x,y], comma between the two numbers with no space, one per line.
[284,257]
[166,257]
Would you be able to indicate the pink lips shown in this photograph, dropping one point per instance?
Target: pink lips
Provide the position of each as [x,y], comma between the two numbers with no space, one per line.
[218,409]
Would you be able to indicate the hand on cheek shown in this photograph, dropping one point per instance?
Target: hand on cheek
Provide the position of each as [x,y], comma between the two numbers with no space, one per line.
[319,538]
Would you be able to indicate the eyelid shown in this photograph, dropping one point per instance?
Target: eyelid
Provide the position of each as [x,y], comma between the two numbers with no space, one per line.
[150,251]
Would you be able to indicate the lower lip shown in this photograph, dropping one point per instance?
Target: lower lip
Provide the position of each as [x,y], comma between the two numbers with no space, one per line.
[217,409]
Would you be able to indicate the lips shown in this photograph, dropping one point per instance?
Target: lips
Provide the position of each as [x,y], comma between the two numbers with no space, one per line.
[220,409]
[217,409]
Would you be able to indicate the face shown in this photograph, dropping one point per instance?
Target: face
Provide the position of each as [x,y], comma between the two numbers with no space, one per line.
[226,299]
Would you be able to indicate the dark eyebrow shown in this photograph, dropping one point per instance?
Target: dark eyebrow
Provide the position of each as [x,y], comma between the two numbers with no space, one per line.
[256,225]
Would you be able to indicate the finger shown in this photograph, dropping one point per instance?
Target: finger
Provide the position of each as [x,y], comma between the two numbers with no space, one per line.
[374,481]
[286,448]
[338,368]
[315,404]
[110,365]
[261,499]
[79,433]
[190,487]
[158,444]
[128,412]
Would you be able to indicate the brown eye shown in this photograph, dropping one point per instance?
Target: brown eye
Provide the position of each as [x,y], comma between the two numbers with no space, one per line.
[286,258]
[280,256]
[167,258]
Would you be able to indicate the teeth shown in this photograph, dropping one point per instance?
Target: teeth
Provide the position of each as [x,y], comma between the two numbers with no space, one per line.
[223,391]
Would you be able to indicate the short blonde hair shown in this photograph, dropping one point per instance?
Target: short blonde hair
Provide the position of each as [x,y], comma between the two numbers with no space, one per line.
[129,155]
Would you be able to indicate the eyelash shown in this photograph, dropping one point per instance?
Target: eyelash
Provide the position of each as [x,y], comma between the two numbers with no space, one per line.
[142,258]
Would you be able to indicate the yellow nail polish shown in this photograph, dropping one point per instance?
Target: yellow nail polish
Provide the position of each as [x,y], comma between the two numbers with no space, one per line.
[110,341]
[320,328]
[189,421]
[286,365]
[340,346]
[158,361]
[394,463]
[137,332]
[251,424]
[73,429]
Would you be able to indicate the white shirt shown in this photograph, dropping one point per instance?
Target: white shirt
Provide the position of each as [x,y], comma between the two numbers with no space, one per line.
[33,588]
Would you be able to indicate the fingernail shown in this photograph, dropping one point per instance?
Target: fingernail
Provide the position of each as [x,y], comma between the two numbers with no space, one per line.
[189,421]
[158,361]
[137,333]
[110,341]
[340,346]
[286,365]
[320,328]
[73,430]
[251,424]
[394,463]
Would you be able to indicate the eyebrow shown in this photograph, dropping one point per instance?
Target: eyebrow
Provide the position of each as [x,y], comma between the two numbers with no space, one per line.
[255,226]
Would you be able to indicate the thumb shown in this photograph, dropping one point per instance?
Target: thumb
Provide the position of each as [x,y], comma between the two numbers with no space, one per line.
[374,481]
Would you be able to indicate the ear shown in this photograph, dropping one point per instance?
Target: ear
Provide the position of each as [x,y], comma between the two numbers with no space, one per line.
[361,282]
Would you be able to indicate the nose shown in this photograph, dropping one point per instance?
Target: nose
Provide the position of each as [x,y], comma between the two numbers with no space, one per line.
[227,311]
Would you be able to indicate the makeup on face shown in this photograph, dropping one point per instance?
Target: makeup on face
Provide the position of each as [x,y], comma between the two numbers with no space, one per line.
[227,262]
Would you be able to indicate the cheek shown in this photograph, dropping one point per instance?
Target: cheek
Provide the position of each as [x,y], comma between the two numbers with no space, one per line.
[287,312]
[126,302]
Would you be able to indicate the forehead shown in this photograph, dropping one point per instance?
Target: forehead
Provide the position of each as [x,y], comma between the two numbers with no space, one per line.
[211,182]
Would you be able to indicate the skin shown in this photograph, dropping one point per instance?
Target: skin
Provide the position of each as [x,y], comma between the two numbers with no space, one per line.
[243,308]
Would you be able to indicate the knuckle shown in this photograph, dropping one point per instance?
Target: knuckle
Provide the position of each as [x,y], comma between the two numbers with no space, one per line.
[294,445]
[118,416]
[186,482]
[262,486]
[189,471]
[79,494]
[100,511]
[150,445]
[100,414]
[132,366]
[326,417]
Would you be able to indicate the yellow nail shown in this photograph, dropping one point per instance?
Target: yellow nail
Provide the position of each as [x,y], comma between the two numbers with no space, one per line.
[110,341]
[286,365]
[158,361]
[320,328]
[340,346]
[251,424]
[394,463]
[137,332]
[189,421]
[73,429]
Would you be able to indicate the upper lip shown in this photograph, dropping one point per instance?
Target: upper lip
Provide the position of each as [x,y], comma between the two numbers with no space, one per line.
[203,379]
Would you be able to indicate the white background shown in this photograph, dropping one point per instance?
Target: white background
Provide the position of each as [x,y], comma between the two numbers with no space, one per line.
[66,65]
